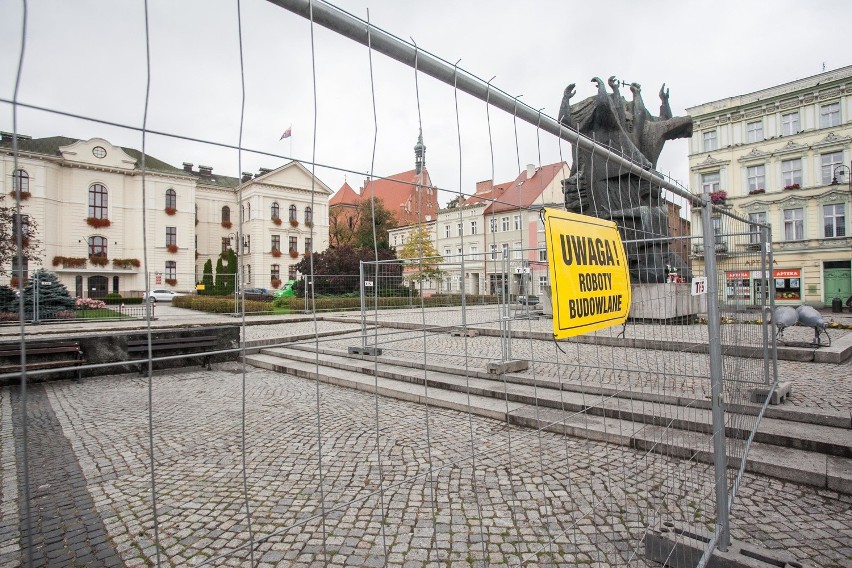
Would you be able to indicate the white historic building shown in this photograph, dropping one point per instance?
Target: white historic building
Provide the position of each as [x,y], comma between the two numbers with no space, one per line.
[85,198]
[782,156]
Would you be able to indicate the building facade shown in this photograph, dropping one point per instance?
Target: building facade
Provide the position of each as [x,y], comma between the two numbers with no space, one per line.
[86,200]
[782,156]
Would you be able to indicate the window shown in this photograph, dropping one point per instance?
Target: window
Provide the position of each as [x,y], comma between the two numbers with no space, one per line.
[246,244]
[275,271]
[276,242]
[226,243]
[98,202]
[493,225]
[710,142]
[505,247]
[473,227]
[542,255]
[790,123]
[834,220]
[226,214]
[518,253]
[294,244]
[21,181]
[829,115]
[248,212]
[171,270]
[830,162]
[20,224]
[276,210]
[291,273]
[97,246]
[22,273]
[308,246]
[171,236]
[517,222]
[309,214]
[794,229]
[754,231]
[447,231]
[717,229]
[459,229]
[791,172]
[247,273]
[710,182]
[542,283]
[292,213]
[171,199]
[756,176]
[493,252]
[447,253]
[474,251]
[504,224]
[754,131]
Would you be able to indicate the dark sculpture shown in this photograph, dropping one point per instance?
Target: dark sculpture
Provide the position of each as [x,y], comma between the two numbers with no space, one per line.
[601,188]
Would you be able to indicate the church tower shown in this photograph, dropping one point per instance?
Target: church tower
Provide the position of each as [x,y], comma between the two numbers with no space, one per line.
[419,154]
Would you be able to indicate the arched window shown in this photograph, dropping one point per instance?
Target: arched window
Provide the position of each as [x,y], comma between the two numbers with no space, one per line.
[21,181]
[171,199]
[276,210]
[309,214]
[98,202]
[97,246]
[226,214]
[293,213]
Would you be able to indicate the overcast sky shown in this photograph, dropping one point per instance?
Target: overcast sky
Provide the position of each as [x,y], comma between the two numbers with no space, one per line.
[88,57]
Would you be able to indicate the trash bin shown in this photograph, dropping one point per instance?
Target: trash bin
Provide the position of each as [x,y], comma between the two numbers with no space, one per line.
[837,306]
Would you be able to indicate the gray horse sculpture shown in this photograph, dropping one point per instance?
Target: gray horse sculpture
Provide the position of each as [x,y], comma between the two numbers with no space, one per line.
[601,188]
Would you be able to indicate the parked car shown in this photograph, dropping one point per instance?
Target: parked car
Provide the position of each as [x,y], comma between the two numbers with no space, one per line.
[529,300]
[161,295]
[286,290]
[257,294]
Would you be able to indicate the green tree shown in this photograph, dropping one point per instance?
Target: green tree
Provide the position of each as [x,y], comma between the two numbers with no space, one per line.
[231,267]
[422,261]
[207,277]
[8,299]
[52,295]
[372,218]
[219,287]
[337,270]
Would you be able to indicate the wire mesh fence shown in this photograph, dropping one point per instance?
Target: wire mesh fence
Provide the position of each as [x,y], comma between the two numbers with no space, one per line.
[465,433]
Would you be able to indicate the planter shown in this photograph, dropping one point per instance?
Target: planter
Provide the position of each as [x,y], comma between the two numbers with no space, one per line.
[756,191]
[170,210]
[276,253]
[792,186]
[99,260]
[227,224]
[294,223]
[309,224]
[20,195]
[276,220]
[718,197]
[171,281]
[172,248]
[68,262]
[126,263]
[294,253]
[97,223]
[14,282]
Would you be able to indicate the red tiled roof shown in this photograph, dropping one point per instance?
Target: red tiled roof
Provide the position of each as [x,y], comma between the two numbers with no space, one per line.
[344,196]
[521,192]
[399,195]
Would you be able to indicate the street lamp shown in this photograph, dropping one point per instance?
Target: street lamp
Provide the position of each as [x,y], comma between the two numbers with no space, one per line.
[848,173]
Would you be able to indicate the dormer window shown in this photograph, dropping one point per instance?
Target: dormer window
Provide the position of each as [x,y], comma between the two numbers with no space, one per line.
[99,152]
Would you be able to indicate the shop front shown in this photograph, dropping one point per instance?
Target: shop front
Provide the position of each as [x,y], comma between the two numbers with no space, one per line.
[751,286]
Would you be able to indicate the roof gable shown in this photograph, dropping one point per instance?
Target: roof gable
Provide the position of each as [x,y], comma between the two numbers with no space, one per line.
[295,175]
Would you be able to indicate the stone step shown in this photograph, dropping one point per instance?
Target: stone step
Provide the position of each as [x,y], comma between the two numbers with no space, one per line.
[598,419]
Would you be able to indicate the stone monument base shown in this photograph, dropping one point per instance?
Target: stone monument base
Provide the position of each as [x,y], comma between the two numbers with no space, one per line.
[665,303]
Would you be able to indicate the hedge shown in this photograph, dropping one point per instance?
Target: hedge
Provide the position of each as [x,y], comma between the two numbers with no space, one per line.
[218,305]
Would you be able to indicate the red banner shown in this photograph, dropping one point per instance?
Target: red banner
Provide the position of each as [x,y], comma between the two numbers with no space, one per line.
[737,275]
[789,273]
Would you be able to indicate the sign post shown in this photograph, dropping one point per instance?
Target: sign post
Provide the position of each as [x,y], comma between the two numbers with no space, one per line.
[589,275]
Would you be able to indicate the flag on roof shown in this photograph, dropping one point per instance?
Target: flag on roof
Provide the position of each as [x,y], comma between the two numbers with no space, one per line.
[287,133]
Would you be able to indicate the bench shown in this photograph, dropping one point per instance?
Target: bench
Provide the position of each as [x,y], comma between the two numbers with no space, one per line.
[41,355]
[181,345]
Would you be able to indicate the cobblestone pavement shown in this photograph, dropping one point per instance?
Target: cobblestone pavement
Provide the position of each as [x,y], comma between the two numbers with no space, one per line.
[416,494]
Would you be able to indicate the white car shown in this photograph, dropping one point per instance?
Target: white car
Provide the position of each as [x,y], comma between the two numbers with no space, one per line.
[161,295]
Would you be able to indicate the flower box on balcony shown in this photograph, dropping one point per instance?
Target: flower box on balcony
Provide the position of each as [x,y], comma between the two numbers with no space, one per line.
[99,259]
[97,222]
[294,223]
[718,197]
[294,253]
[756,191]
[126,263]
[171,281]
[792,186]
[309,224]
[172,248]
[276,253]
[170,210]
[276,220]
[20,195]
[227,224]
[68,262]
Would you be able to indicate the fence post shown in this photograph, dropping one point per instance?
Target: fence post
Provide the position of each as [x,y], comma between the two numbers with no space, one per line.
[720,457]
[363,305]
[771,290]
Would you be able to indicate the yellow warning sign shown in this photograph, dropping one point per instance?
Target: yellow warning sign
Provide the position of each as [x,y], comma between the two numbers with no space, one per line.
[590,281]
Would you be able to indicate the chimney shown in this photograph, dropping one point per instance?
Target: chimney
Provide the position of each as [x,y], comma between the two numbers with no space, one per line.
[246,177]
[483,186]
[530,170]
[205,171]
[263,172]
[187,167]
